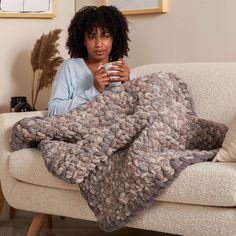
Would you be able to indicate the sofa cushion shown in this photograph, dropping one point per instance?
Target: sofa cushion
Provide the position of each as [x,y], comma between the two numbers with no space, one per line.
[228,150]
[28,165]
[206,183]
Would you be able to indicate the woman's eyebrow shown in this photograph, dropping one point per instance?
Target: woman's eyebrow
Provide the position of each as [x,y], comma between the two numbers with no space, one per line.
[90,32]
[105,30]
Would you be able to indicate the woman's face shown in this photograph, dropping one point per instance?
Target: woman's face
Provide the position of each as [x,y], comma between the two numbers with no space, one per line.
[98,44]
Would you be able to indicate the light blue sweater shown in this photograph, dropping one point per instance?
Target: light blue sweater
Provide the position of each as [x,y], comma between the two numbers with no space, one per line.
[73,86]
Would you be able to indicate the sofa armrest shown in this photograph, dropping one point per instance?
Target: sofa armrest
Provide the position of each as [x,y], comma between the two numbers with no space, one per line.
[7,120]
[3,161]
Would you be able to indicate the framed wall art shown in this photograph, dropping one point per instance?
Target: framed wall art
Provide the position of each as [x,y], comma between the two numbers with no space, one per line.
[132,7]
[28,8]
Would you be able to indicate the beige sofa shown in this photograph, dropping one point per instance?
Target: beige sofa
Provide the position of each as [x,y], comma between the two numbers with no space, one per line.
[200,202]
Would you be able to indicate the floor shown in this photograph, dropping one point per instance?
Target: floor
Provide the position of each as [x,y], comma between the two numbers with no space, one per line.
[64,227]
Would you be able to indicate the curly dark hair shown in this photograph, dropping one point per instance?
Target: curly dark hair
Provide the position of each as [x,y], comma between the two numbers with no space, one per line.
[109,19]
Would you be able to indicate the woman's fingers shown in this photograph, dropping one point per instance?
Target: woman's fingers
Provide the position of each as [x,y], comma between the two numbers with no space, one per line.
[101,73]
[119,71]
[116,68]
[114,73]
[117,63]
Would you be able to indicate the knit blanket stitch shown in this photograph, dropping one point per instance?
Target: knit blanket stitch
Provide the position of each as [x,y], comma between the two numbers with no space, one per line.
[124,147]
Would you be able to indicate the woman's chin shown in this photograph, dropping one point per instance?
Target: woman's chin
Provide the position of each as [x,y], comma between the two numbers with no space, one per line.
[101,58]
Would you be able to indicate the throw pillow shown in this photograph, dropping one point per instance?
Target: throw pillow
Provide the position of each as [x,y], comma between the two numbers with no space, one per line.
[228,151]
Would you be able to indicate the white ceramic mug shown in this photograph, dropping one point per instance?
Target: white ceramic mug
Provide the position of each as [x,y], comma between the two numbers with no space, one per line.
[106,67]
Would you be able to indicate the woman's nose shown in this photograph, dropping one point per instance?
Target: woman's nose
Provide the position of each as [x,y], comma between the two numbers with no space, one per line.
[98,42]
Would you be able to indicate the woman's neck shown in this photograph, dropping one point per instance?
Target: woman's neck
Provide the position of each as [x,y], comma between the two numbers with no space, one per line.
[91,61]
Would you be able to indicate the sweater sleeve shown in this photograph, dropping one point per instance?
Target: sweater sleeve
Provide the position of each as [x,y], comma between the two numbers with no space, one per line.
[132,75]
[63,98]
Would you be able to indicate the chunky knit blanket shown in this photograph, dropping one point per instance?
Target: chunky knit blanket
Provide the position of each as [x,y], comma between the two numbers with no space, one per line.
[124,147]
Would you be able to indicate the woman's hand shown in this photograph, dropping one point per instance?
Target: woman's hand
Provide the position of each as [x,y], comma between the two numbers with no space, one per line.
[101,79]
[121,70]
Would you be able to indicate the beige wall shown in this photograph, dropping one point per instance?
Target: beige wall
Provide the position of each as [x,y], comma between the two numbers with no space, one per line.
[17,39]
[191,31]
[202,30]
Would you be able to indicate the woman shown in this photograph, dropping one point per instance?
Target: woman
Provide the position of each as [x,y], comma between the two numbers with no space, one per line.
[96,35]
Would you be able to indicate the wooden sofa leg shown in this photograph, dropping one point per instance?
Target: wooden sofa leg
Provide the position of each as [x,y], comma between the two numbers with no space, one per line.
[36,224]
[12,210]
[1,199]
[49,221]
[12,213]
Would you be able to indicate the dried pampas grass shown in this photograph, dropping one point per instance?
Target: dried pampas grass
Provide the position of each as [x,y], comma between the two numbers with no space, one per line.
[45,60]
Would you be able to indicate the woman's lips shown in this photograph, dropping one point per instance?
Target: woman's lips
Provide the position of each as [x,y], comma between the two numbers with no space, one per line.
[99,53]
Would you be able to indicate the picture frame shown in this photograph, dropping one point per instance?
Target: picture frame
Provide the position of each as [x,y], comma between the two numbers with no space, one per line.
[133,7]
[28,8]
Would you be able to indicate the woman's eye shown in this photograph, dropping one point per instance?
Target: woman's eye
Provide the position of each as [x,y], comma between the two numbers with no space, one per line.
[91,36]
[106,35]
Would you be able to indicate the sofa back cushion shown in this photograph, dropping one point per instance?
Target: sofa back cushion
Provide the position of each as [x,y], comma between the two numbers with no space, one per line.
[211,85]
